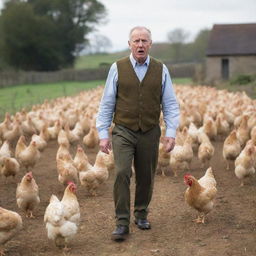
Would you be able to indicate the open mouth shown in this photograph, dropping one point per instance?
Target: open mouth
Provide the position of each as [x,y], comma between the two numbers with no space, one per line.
[141,51]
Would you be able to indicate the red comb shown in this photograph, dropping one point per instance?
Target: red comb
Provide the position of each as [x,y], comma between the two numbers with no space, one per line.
[187,175]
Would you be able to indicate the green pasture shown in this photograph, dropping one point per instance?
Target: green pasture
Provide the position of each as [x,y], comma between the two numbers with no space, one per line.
[14,98]
[96,60]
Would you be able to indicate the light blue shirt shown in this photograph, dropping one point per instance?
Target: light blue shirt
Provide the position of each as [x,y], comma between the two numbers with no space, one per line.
[170,106]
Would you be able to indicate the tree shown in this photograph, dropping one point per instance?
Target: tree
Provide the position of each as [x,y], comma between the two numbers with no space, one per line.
[47,34]
[99,44]
[200,44]
[177,38]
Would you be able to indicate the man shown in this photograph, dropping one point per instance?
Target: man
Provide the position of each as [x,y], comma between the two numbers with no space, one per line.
[137,87]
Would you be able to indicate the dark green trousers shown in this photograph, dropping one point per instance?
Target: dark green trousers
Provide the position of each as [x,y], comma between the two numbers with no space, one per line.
[143,149]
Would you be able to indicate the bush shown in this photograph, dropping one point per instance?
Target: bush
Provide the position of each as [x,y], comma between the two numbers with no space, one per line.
[243,79]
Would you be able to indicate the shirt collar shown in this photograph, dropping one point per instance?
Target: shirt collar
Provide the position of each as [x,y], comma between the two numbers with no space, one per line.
[134,62]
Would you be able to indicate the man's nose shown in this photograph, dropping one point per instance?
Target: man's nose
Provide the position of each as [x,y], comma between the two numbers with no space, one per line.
[140,43]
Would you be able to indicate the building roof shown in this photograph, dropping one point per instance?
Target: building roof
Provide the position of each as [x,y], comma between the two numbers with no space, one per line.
[232,39]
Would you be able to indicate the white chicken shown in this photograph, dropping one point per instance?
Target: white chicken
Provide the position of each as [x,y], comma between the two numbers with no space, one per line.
[62,217]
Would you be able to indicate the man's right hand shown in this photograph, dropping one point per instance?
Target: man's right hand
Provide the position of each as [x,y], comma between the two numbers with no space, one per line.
[105,145]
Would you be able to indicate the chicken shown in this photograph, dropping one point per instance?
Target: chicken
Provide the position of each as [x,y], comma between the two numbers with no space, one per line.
[181,156]
[40,142]
[62,217]
[5,125]
[163,159]
[245,163]
[63,150]
[13,134]
[205,150]
[73,137]
[27,194]
[91,139]
[193,132]
[81,159]
[243,131]
[93,176]
[63,138]
[66,169]
[27,127]
[54,130]
[201,193]
[20,146]
[9,167]
[231,148]
[222,126]
[29,156]
[101,167]
[5,150]
[10,224]
[210,128]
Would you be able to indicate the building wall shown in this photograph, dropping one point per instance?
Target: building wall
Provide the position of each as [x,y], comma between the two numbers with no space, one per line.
[237,65]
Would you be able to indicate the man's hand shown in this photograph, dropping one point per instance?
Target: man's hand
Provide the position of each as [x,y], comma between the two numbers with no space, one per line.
[169,143]
[105,145]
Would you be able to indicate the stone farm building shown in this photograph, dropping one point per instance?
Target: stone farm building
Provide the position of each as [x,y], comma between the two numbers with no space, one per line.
[231,51]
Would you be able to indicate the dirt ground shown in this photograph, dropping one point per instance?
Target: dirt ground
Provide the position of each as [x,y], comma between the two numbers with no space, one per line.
[230,228]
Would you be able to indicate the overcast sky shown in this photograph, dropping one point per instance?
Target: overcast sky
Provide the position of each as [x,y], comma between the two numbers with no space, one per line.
[162,16]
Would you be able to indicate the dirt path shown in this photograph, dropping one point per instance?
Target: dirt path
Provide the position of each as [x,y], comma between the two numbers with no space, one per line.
[230,228]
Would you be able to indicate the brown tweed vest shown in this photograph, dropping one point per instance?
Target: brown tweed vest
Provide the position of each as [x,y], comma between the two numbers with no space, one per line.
[138,104]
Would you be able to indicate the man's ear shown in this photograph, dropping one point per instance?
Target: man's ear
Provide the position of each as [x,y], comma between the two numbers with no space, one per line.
[150,44]
[129,44]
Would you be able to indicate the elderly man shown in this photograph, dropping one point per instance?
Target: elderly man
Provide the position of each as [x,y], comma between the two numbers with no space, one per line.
[138,87]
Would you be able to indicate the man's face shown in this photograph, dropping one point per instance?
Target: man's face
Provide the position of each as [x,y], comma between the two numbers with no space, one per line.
[140,43]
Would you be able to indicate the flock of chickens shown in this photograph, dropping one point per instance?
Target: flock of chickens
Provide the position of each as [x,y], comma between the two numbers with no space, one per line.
[207,114]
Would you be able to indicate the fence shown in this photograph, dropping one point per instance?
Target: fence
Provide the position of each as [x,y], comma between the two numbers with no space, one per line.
[9,78]
[16,78]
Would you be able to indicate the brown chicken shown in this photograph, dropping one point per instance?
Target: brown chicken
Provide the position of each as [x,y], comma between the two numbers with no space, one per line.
[205,150]
[81,159]
[243,131]
[54,130]
[62,217]
[66,169]
[27,194]
[231,148]
[93,176]
[201,193]
[245,163]
[163,159]
[40,142]
[27,156]
[10,224]
[9,167]
[91,139]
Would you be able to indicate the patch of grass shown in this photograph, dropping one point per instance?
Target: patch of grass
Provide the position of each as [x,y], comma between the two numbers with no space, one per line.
[97,60]
[186,80]
[243,79]
[13,99]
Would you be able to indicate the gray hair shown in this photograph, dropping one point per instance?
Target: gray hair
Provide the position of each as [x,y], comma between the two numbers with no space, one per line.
[140,28]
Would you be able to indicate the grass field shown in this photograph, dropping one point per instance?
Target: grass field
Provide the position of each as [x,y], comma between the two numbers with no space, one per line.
[14,98]
[95,60]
